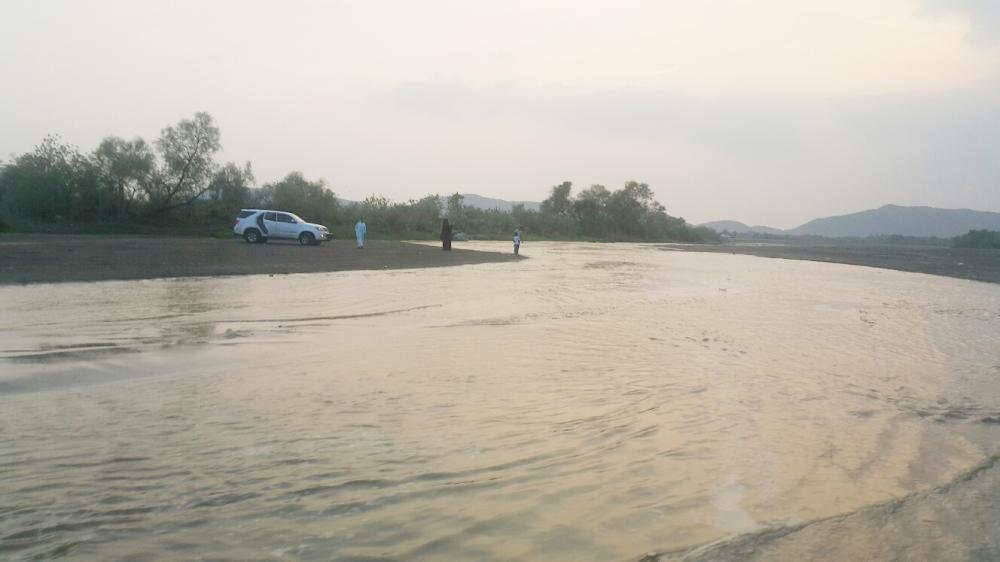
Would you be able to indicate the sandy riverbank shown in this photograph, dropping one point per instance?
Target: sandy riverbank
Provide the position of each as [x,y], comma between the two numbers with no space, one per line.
[961,263]
[39,258]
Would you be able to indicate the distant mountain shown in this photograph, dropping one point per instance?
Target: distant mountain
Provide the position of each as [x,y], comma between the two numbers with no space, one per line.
[737,227]
[487,203]
[907,221]
[478,201]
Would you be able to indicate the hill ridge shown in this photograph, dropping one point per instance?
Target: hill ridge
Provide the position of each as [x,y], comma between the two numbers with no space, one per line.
[889,219]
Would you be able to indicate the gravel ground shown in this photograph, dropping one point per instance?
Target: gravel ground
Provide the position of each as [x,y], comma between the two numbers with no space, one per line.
[41,258]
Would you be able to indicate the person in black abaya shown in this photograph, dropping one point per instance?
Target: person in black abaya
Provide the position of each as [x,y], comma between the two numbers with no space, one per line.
[446,236]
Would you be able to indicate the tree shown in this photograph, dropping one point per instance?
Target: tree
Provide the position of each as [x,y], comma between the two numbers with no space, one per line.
[977,239]
[424,214]
[456,209]
[559,202]
[230,186]
[47,183]
[590,210]
[187,150]
[628,207]
[308,199]
[374,209]
[126,172]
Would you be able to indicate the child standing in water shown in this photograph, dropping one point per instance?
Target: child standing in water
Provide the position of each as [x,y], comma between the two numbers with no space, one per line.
[517,241]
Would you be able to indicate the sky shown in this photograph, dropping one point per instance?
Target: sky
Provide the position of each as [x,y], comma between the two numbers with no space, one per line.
[770,112]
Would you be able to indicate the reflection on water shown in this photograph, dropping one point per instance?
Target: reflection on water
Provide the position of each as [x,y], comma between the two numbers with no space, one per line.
[595,402]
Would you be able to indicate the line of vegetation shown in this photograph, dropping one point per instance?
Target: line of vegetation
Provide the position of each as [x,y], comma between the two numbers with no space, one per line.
[978,239]
[174,186]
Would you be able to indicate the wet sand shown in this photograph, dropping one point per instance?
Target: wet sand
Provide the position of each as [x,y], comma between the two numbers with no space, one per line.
[958,521]
[40,258]
[961,263]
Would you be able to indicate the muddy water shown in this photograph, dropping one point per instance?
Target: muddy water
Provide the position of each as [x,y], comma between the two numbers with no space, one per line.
[593,402]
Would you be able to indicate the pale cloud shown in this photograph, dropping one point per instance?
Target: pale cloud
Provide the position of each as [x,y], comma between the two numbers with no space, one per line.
[714,48]
[765,111]
[982,16]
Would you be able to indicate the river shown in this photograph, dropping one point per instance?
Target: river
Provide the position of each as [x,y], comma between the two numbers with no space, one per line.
[591,402]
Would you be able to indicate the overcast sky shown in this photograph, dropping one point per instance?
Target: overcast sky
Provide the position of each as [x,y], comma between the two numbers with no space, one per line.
[765,111]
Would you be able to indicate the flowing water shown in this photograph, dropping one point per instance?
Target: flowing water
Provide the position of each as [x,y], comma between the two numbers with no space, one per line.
[593,402]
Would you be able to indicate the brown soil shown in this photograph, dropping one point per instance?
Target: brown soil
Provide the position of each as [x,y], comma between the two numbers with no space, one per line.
[963,263]
[40,258]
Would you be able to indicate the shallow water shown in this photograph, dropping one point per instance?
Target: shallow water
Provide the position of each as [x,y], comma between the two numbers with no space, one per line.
[593,402]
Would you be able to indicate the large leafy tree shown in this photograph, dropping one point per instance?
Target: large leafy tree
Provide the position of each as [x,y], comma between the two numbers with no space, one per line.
[126,173]
[48,182]
[559,202]
[230,186]
[630,207]
[590,210]
[187,150]
[309,199]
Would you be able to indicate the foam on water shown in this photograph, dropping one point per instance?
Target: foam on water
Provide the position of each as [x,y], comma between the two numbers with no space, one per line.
[594,402]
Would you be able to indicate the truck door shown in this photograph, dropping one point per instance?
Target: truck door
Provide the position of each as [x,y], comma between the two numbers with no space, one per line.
[287,226]
[271,225]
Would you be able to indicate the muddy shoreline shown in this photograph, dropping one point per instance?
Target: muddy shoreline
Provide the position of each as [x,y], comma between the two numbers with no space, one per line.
[40,258]
[46,258]
[961,263]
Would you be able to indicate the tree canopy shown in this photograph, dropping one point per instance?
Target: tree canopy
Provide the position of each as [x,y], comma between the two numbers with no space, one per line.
[978,239]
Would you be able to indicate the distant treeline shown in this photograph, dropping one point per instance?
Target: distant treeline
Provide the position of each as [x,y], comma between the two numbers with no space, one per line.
[174,184]
[978,239]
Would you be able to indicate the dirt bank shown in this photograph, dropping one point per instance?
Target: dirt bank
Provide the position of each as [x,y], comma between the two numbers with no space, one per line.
[40,258]
[978,265]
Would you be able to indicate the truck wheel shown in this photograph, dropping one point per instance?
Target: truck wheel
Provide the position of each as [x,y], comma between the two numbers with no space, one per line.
[307,239]
[252,235]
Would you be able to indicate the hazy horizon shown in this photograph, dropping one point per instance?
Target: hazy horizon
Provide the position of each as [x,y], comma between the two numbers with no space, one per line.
[769,113]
